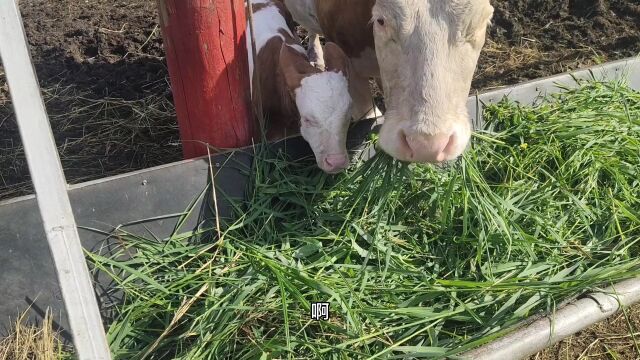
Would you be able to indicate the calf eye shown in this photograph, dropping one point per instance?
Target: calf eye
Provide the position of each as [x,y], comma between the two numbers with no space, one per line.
[380,21]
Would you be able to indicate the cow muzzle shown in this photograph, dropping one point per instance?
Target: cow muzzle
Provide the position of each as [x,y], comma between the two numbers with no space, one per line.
[407,144]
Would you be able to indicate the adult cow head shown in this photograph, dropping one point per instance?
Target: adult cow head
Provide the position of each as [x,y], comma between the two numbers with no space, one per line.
[427,51]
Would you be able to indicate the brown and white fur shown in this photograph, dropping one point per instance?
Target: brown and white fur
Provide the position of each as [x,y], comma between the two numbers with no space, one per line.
[295,94]
[424,52]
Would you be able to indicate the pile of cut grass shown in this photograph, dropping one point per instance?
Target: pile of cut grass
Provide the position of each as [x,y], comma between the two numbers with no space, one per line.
[416,261]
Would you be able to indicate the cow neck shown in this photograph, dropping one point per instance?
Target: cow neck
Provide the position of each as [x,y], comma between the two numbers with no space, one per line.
[336,15]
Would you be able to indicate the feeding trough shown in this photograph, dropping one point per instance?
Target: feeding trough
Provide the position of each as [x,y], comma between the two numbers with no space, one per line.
[29,274]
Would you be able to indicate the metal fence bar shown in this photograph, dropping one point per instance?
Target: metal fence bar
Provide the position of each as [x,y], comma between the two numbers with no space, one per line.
[566,321]
[51,189]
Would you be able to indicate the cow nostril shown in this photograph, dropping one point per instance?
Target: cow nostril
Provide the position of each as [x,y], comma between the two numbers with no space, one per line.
[451,144]
[336,162]
[405,145]
[431,148]
[447,149]
[329,163]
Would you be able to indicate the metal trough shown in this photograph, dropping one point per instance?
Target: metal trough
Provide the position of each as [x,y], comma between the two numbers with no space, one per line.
[28,277]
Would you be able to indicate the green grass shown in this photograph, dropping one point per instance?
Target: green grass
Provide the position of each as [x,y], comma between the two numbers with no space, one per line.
[416,261]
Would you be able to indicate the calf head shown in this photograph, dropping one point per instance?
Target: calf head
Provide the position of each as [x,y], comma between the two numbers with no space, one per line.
[323,101]
[427,51]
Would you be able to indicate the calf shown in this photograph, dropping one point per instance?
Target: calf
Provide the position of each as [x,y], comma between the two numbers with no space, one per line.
[296,96]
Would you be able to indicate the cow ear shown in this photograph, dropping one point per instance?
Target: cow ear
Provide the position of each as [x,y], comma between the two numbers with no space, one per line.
[335,59]
[293,65]
[476,27]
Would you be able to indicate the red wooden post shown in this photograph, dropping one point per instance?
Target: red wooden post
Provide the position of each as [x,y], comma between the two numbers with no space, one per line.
[207,57]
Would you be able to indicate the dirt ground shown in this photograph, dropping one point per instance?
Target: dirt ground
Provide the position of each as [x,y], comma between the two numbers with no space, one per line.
[536,38]
[101,67]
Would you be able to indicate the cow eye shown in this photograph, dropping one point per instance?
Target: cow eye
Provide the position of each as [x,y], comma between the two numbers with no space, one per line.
[380,21]
[308,122]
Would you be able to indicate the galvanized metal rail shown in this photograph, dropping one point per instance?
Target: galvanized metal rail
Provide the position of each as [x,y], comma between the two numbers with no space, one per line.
[568,320]
[51,188]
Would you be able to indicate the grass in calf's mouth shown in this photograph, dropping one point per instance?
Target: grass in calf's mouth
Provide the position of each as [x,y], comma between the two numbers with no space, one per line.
[416,261]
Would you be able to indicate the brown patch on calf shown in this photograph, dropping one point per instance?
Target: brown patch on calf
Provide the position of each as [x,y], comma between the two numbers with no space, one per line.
[277,104]
[257,7]
[288,39]
[335,17]
[282,9]
[282,69]
[295,67]
[335,59]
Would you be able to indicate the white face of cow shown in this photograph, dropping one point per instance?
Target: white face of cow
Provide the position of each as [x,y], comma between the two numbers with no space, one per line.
[427,51]
[324,104]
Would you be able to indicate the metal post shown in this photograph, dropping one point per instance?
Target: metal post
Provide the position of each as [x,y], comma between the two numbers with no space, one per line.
[51,189]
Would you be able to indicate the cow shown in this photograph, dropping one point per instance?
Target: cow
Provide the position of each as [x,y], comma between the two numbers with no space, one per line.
[424,54]
[294,94]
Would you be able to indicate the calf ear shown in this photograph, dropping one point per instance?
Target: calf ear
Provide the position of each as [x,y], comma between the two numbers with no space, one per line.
[293,66]
[335,59]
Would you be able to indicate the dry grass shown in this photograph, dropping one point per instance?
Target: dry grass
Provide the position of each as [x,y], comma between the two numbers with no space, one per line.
[95,137]
[502,64]
[4,89]
[505,58]
[29,342]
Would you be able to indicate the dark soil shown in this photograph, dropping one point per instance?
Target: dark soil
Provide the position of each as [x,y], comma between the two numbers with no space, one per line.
[111,48]
[101,67]
[535,38]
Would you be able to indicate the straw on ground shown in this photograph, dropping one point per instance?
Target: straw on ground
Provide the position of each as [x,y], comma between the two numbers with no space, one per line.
[32,342]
